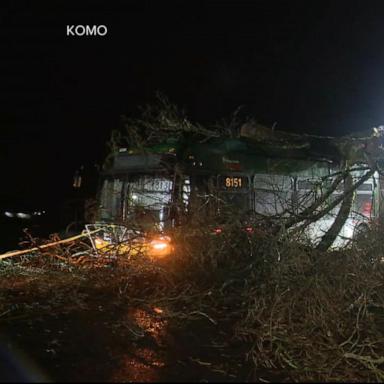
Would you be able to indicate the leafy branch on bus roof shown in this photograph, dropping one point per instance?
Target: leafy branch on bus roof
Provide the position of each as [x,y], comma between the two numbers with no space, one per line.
[163,120]
[158,122]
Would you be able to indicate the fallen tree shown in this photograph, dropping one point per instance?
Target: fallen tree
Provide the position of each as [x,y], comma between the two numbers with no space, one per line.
[164,121]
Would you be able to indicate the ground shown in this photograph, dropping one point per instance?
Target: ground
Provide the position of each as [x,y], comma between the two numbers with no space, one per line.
[74,325]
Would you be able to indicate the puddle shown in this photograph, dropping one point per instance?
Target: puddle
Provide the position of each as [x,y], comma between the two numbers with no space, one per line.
[144,362]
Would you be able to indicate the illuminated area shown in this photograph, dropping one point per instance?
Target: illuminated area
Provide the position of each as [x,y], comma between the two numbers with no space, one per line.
[137,200]
[142,199]
[117,240]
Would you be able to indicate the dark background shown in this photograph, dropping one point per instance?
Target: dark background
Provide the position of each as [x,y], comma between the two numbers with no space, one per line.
[313,67]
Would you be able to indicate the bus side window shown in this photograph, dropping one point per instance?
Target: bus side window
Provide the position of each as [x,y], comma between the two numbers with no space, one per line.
[364,201]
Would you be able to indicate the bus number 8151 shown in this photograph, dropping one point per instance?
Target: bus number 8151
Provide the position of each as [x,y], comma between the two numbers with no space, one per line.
[233,182]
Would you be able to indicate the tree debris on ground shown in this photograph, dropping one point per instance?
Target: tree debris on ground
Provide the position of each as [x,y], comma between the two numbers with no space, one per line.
[242,307]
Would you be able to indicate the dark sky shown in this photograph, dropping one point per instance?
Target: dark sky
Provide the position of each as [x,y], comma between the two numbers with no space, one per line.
[313,66]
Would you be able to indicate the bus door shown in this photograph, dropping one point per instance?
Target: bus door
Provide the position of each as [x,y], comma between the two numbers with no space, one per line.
[234,192]
[111,199]
[198,195]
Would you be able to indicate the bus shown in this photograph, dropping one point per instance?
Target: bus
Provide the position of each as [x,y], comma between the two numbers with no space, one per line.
[143,194]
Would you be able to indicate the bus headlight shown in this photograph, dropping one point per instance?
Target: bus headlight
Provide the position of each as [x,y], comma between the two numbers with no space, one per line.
[160,246]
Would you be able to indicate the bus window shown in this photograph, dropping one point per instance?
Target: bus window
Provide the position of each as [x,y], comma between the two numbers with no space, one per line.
[273,194]
[272,202]
[149,200]
[308,191]
[186,192]
[363,205]
[365,187]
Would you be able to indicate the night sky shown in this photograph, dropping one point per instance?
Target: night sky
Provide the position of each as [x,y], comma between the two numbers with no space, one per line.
[313,67]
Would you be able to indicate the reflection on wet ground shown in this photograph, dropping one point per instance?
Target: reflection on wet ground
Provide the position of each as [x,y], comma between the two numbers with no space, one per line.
[142,364]
[75,332]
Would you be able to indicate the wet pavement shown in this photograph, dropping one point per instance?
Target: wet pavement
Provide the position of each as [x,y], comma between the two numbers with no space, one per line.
[66,333]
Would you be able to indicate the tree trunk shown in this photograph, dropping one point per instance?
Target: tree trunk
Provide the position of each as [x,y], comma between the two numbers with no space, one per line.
[342,216]
[309,215]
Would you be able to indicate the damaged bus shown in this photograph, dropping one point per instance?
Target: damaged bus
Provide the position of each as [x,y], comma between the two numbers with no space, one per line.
[143,194]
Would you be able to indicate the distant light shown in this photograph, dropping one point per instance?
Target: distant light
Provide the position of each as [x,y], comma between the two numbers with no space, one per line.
[9,214]
[22,215]
[134,197]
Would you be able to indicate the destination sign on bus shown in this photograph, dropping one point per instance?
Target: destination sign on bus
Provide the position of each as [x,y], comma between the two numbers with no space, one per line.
[233,182]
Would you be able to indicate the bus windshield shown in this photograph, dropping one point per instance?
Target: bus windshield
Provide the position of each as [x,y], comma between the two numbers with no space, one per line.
[148,200]
[141,199]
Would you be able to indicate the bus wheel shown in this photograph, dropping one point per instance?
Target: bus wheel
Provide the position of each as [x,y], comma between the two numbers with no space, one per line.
[361,232]
[74,228]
